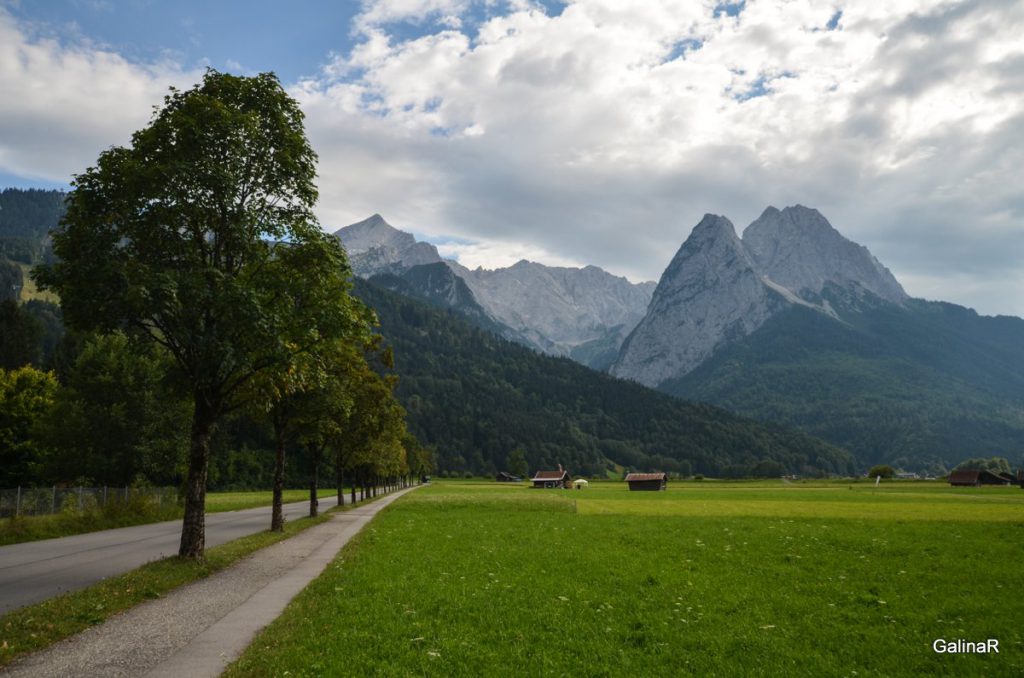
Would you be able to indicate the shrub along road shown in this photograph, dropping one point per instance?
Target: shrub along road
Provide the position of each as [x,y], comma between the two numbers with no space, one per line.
[38,570]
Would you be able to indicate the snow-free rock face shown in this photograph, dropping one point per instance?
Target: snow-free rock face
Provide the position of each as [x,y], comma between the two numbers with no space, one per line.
[798,249]
[710,292]
[558,308]
[719,288]
[375,246]
[553,309]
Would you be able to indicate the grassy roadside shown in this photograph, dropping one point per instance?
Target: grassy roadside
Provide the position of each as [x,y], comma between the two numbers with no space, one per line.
[33,528]
[36,627]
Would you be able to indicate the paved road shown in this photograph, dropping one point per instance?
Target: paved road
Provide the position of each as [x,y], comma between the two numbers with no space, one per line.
[39,570]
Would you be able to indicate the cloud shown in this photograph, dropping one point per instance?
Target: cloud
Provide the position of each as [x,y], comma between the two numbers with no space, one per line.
[64,101]
[600,132]
[603,133]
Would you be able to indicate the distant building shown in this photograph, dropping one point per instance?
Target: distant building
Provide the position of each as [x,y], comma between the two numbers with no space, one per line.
[505,477]
[647,481]
[550,480]
[978,478]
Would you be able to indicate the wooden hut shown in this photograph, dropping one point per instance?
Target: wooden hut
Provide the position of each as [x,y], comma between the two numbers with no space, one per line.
[551,480]
[652,482]
[977,478]
[506,477]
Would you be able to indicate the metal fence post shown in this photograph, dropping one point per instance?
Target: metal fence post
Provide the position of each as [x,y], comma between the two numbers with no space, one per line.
[104,495]
[53,500]
[126,494]
[79,497]
[17,504]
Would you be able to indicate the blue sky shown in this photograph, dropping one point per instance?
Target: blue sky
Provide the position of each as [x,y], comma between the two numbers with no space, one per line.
[291,38]
[585,131]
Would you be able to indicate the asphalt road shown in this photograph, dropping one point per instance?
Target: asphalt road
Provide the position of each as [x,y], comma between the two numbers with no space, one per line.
[39,570]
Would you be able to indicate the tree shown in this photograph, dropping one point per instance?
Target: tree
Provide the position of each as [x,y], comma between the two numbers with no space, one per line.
[116,420]
[20,335]
[883,470]
[172,239]
[517,463]
[26,394]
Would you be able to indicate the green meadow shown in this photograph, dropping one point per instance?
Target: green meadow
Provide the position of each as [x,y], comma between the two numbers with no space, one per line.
[713,579]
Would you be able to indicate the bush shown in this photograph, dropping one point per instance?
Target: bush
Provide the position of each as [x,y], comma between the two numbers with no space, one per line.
[883,470]
[699,476]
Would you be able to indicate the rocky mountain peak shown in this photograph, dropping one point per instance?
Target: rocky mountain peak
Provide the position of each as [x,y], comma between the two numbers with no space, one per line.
[710,292]
[375,246]
[799,249]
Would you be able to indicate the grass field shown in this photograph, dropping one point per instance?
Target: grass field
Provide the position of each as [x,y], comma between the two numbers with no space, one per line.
[33,528]
[29,289]
[717,579]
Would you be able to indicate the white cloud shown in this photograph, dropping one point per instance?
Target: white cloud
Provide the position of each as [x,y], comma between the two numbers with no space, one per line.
[495,254]
[603,134]
[62,104]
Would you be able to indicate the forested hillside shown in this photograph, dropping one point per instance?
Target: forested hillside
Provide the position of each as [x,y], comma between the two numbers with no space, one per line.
[919,386]
[478,398]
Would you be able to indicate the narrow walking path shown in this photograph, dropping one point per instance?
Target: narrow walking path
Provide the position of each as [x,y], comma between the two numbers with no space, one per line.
[199,629]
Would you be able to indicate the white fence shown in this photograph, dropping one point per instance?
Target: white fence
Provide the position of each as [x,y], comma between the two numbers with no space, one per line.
[38,501]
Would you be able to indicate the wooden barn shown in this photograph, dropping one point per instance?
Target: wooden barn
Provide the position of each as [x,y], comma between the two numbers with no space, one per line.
[506,477]
[560,479]
[977,478]
[652,482]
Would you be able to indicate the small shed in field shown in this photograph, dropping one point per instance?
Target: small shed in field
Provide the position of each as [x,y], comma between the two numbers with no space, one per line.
[647,481]
[559,479]
[977,478]
[505,477]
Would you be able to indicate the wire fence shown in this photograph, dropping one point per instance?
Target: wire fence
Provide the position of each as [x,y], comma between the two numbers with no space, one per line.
[39,501]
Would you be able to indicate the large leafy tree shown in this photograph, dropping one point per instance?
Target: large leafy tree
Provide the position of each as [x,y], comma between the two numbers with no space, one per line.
[115,420]
[200,237]
[26,395]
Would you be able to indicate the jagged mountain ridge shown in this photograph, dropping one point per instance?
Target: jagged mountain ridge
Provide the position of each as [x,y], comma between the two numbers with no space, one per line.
[720,288]
[584,313]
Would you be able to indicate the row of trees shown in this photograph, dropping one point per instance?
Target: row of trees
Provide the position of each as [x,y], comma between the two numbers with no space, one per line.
[198,242]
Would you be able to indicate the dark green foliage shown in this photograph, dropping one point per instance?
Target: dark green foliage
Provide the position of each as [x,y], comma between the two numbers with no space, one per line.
[11,280]
[50,320]
[21,336]
[26,219]
[883,470]
[994,464]
[916,386]
[116,421]
[26,395]
[476,398]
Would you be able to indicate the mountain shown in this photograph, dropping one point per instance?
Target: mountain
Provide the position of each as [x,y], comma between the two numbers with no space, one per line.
[798,249]
[710,293]
[477,397]
[559,308]
[798,325]
[375,246]
[583,313]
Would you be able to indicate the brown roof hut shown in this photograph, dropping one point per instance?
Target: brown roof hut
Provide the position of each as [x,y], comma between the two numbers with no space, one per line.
[559,479]
[647,481]
[977,478]
[506,477]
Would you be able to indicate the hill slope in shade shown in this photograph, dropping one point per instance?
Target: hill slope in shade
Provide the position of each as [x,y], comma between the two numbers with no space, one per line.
[919,385]
[477,397]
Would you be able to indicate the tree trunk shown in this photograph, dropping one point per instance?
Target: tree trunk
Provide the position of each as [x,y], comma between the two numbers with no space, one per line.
[340,478]
[193,528]
[314,472]
[277,514]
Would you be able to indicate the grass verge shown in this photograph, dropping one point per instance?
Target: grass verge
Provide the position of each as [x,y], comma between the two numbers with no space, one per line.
[33,528]
[35,627]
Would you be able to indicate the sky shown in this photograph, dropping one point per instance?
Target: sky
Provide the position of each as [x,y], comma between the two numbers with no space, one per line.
[582,132]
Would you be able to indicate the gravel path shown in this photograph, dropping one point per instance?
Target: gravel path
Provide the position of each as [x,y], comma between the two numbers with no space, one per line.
[198,629]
